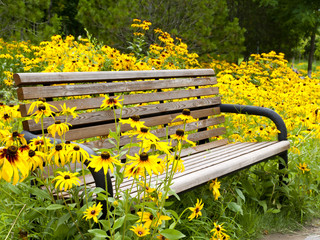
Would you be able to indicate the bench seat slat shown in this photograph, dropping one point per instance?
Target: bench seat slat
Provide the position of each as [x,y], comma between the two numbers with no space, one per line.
[103,116]
[27,93]
[216,166]
[72,77]
[92,103]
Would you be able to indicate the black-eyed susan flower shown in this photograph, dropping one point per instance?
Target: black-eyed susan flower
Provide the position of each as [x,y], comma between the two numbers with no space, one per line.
[40,144]
[185,116]
[13,162]
[177,163]
[40,103]
[104,161]
[76,153]
[214,186]
[68,111]
[150,220]
[140,230]
[66,180]
[133,171]
[15,138]
[303,167]
[134,122]
[93,212]
[142,134]
[57,154]
[43,111]
[181,136]
[59,128]
[196,211]
[144,161]
[109,102]
[157,145]
[34,159]
[219,231]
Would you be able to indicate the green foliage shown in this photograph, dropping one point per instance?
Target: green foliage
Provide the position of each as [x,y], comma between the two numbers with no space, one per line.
[204,25]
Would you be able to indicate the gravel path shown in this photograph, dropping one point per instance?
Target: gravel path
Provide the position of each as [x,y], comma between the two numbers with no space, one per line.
[310,232]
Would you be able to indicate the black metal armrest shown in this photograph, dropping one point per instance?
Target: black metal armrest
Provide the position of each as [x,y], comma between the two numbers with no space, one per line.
[98,176]
[259,111]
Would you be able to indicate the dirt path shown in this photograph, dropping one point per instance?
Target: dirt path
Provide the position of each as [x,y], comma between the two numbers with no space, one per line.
[310,232]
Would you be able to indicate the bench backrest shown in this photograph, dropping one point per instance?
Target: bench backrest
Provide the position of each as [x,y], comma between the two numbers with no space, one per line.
[157,96]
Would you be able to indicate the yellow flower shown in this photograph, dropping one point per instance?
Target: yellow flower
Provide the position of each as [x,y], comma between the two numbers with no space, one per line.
[185,116]
[43,110]
[111,102]
[93,212]
[180,136]
[144,161]
[142,134]
[303,167]
[66,180]
[34,159]
[140,230]
[161,146]
[214,187]
[133,171]
[41,103]
[104,161]
[58,127]
[177,163]
[77,154]
[15,139]
[134,122]
[68,111]
[12,162]
[58,155]
[219,231]
[149,219]
[196,211]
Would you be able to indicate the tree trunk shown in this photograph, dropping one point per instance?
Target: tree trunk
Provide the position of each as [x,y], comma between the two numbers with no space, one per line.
[311,53]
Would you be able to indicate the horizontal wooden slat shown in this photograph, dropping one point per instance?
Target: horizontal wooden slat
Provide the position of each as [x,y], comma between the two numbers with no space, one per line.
[27,93]
[220,161]
[72,77]
[92,103]
[103,116]
[171,130]
[92,131]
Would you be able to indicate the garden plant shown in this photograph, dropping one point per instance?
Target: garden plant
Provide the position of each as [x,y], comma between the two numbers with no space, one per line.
[241,206]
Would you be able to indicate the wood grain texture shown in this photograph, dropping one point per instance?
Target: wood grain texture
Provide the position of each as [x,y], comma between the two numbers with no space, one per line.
[28,93]
[93,103]
[101,117]
[74,77]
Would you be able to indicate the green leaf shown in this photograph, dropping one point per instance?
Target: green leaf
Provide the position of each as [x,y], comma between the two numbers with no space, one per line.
[131,217]
[118,223]
[98,190]
[240,194]
[40,193]
[172,234]
[235,207]
[264,205]
[63,219]
[98,233]
[55,207]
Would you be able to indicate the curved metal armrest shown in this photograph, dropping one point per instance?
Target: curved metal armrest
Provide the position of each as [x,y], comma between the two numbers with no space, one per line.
[98,176]
[260,111]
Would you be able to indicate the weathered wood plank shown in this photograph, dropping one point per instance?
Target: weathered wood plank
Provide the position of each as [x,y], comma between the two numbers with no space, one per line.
[92,103]
[27,93]
[104,116]
[73,77]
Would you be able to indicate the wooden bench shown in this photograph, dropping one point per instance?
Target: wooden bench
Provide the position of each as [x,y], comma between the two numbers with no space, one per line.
[157,96]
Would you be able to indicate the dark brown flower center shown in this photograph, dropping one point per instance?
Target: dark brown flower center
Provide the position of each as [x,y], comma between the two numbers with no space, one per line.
[151,217]
[41,107]
[6,116]
[112,101]
[31,153]
[140,233]
[186,112]
[93,212]
[57,122]
[66,177]
[58,147]
[12,150]
[197,210]
[218,228]
[144,156]
[42,99]
[135,118]
[15,134]
[144,129]
[105,155]
[180,132]
[76,148]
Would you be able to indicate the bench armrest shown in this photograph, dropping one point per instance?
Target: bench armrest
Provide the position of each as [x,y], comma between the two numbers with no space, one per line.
[259,111]
[98,176]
